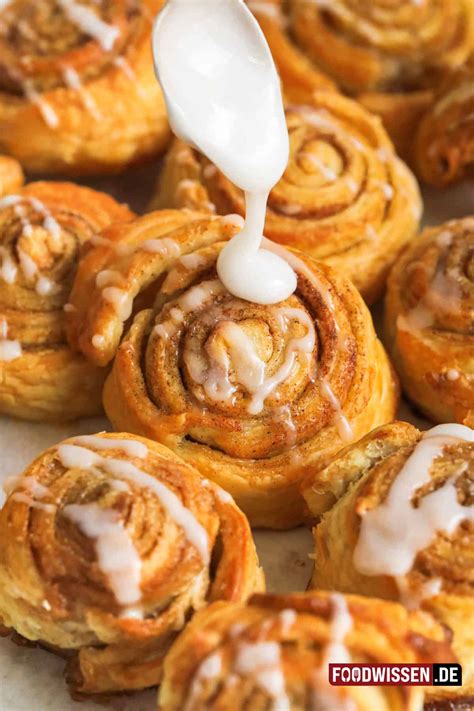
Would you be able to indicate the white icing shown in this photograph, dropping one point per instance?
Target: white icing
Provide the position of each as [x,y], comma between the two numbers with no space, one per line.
[122,301]
[442,293]
[325,170]
[192,300]
[243,131]
[241,357]
[453,374]
[117,556]
[9,349]
[209,669]
[89,23]
[32,503]
[343,425]
[128,71]
[262,661]
[75,457]
[287,619]
[109,277]
[193,261]
[392,534]
[131,447]
[233,219]
[49,223]
[326,697]
[47,112]
[73,81]
[98,341]
[165,246]
[8,268]
[336,651]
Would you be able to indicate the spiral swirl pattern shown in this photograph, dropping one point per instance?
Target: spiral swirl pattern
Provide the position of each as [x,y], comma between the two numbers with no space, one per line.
[43,228]
[274,652]
[253,395]
[62,64]
[390,54]
[445,139]
[109,543]
[429,321]
[345,198]
[441,577]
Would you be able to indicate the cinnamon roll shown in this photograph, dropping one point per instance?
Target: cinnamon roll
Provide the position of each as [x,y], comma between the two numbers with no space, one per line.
[43,228]
[345,197]
[389,55]
[444,146]
[429,321]
[108,544]
[402,527]
[11,175]
[274,653]
[253,395]
[77,87]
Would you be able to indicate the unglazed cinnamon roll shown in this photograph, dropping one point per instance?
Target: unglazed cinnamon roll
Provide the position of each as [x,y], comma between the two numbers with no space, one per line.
[402,526]
[77,87]
[108,544]
[42,230]
[345,198]
[253,395]
[273,653]
[445,138]
[429,321]
[11,175]
[390,55]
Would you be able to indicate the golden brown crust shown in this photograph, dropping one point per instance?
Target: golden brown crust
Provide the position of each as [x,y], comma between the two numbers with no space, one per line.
[55,587]
[391,56]
[202,671]
[345,198]
[444,146]
[361,477]
[43,228]
[429,323]
[161,380]
[70,105]
[11,175]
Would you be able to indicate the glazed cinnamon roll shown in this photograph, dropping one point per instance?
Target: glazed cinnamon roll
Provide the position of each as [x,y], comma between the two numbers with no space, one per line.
[11,175]
[429,321]
[43,228]
[390,55]
[274,653]
[445,138]
[253,395]
[402,526]
[77,87]
[108,544]
[345,197]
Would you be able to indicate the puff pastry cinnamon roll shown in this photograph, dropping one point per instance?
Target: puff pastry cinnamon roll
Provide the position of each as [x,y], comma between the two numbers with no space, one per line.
[252,395]
[108,544]
[444,146]
[345,197]
[43,228]
[429,321]
[390,55]
[77,87]
[11,175]
[274,653]
[402,526]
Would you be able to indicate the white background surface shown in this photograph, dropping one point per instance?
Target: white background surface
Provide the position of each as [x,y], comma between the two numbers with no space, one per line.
[31,679]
